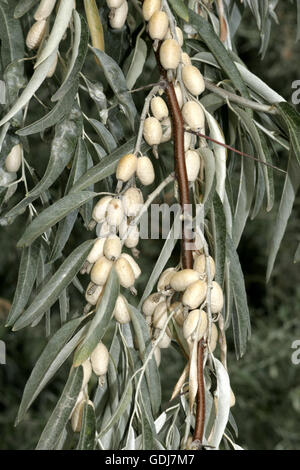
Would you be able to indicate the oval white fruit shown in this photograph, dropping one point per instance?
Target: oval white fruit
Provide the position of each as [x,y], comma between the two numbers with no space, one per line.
[160,315]
[159,108]
[152,131]
[117,16]
[169,54]
[151,303]
[134,266]
[216,298]
[191,324]
[126,167]
[92,293]
[36,34]
[185,59]
[182,279]
[114,3]
[96,251]
[125,273]
[195,294]
[112,247]
[165,278]
[193,163]
[193,115]
[158,25]
[200,265]
[115,212]
[100,359]
[150,7]
[14,159]
[133,236]
[164,342]
[213,338]
[100,271]
[100,209]
[121,311]
[44,9]
[132,202]
[145,171]
[193,80]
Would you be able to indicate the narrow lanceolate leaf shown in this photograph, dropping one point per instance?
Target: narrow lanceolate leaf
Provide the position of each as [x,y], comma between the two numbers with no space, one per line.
[58,282]
[121,408]
[218,50]
[100,321]
[79,50]
[53,356]
[12,41]
[137,63]
[297,254]
[116,80]
[54,214]
[240,315]
[62,411]
[180,9]
[88,428]
[61,109]
[59,28]
[107,166]
[33,85]
[23,7]
[222,396]
[106,138]
[219,234]
[291,186]
[292,120]
[209,168]
[163,258]
[26,278]
[62,149]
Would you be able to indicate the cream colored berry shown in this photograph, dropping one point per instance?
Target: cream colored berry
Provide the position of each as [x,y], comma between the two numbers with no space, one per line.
[179,35]
[117,16]
[125,273]
[150,7]
[96,251]
[193,163]
[100,359]
[126,167]
[185,59]
[132,201]
[200,265]
[213,338]
[44,9]
[121,310]
[151,303]
[134,266]
[112,247]
[145,171]
[101,271]
[164,342]
[133,236]
[169,54]
[159,108]
[36,34]
[195,294]
[100,209]
[165,278]
[115,212]
[152,131]
[193,115]
[160,315]
[14,159]
[190,325]
[158,25]
[114,3]
[216,298]
[93,293]
[182,279]
[193,80]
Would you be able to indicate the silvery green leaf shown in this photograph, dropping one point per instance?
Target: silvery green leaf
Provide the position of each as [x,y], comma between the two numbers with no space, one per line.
[297,254]
[62,19]
[121,408]
[26,278]
[58,282]
[259,191]
[62,411]
[180,9]
[292,119]
[218,222]
[290,189]
[11,35]
[107,140]
[100,321]
[222,396]
[88,428]
[79,50]
[53,356]
[23,7]
[137,63]
[53,214]
[116,80]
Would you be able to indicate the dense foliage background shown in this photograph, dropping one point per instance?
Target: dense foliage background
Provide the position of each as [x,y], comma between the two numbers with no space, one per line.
[265,382]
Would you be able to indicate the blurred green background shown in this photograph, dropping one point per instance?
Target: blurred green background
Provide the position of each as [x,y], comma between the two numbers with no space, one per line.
[265,382]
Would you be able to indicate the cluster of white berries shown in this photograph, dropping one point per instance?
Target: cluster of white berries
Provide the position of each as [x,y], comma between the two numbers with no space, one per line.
[118,13]
[157,128]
